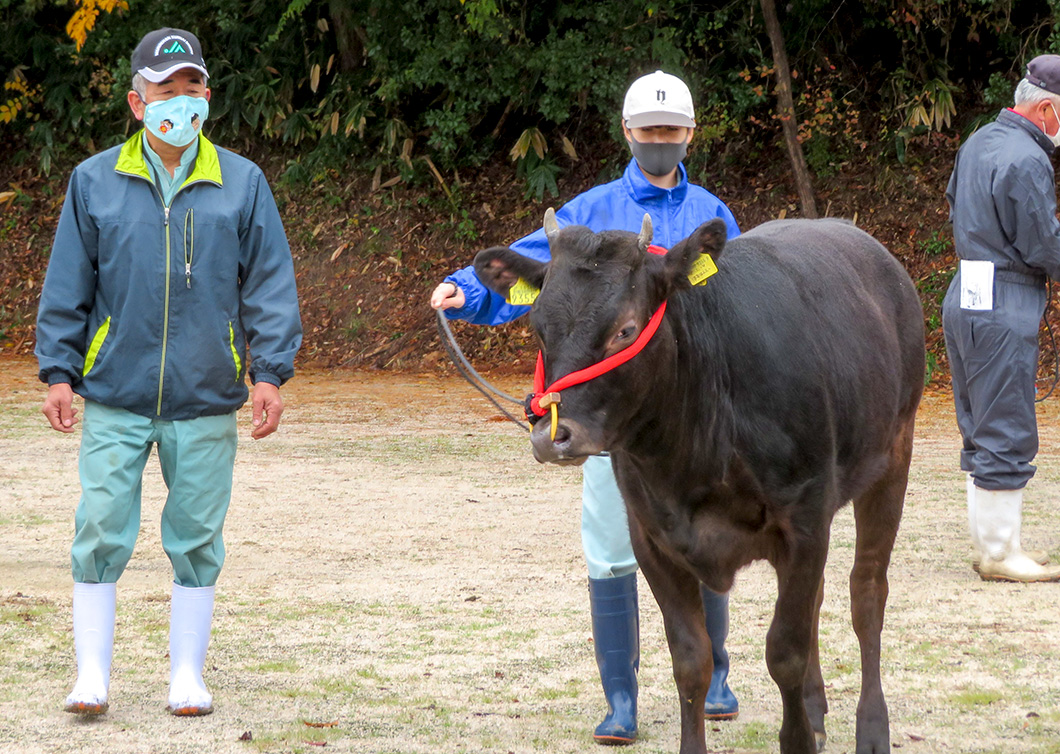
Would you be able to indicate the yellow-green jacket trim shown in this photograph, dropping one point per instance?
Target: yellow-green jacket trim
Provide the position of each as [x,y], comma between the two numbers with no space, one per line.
[97,343]
[131,161]
[235,352]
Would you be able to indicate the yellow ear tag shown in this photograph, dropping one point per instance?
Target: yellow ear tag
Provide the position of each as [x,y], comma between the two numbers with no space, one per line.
[702,269]
[522,293]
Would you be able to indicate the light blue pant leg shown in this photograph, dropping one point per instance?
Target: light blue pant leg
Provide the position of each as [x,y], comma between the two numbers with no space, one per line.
[115,445]
[197,458]
[605,530]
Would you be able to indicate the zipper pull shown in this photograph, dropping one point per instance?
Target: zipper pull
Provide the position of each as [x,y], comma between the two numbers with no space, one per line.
[187,274]
[167,217]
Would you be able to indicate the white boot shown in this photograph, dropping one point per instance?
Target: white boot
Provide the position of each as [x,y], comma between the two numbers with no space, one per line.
[972,526]
[190,617]
[998,515]
[1038,556]
[94,606]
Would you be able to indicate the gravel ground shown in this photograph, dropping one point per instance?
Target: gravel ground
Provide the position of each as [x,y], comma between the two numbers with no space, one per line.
[403,577]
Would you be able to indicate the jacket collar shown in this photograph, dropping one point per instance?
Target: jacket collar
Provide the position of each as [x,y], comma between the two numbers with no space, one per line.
[207,167]
[1011,117]
[644,192]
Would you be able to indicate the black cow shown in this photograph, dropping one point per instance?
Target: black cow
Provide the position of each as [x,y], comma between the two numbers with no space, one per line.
[769,397]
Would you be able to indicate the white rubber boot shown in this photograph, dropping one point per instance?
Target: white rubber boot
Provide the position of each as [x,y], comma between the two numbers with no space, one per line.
[973,528]
[190,618]
[1038,556]
[94,607]
[998,516]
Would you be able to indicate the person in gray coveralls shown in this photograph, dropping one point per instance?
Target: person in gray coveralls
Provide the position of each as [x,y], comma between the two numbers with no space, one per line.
[1002,197]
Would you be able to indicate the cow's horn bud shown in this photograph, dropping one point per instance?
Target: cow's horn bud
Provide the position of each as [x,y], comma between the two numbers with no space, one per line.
[644,239]
[551,225]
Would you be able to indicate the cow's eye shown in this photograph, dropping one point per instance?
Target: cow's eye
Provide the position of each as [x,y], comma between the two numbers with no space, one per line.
[624,337]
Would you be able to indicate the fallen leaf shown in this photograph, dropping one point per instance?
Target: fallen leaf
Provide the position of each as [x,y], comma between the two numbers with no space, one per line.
[342,248]
[309,724]
[247,736]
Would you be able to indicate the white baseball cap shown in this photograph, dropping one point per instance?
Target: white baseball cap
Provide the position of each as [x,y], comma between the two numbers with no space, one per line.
[658,99]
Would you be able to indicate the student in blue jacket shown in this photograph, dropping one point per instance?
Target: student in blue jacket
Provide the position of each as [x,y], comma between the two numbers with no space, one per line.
[658,120]
[169,261]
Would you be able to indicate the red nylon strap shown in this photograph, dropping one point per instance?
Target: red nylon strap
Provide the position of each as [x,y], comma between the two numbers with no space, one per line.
[584,375]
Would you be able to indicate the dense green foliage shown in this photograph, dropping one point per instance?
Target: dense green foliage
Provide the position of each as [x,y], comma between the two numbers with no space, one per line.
[428,86]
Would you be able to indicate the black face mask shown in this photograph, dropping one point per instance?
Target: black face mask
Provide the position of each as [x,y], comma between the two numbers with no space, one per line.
[658,159]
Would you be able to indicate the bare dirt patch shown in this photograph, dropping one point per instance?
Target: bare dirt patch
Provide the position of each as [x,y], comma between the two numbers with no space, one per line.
[403,577]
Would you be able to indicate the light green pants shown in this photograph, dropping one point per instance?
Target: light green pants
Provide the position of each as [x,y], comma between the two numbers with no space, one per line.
[197,457]
[605,528]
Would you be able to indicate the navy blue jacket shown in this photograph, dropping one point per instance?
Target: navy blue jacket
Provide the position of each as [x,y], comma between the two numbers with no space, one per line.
[152,308]
[1002,197]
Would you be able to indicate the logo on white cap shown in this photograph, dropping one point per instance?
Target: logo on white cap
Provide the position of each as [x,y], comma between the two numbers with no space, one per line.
[658,99]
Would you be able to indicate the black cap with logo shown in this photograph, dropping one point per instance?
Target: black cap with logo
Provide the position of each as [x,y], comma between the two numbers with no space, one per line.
[163,51]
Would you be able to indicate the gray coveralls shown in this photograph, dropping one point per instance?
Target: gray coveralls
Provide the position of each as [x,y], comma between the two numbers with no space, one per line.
[1003,208]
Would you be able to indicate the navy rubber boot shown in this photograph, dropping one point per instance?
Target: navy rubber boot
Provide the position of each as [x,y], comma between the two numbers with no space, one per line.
[721,703]
[616,636]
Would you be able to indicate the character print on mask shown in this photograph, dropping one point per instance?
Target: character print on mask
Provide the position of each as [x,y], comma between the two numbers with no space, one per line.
[177,121]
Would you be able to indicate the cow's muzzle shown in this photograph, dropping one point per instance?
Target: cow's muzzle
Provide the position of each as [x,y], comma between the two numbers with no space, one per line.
[569,447]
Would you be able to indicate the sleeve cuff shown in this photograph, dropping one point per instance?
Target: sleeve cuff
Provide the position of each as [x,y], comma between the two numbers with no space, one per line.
[266,377]
[58,377]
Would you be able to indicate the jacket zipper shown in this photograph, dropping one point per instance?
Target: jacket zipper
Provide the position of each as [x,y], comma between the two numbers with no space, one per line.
[165,315]
[189,252]
[187,273]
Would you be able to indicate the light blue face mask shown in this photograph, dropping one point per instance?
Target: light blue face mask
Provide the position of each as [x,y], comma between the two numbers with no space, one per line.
[177,121]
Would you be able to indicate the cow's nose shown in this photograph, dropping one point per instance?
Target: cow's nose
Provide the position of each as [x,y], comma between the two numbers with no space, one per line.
[547,449]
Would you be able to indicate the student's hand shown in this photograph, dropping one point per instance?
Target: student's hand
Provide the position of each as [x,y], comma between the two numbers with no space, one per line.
[59,407]
[267,406]
[447,296]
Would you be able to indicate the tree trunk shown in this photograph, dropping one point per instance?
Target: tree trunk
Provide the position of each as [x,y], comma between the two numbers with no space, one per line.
[350,45]
[787,111]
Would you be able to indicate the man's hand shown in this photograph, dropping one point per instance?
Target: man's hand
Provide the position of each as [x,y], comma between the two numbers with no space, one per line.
[267,409]
[59,407]
[447,296]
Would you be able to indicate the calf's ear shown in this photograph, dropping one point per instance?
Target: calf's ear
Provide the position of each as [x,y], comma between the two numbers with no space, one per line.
[708,238]
[499,268]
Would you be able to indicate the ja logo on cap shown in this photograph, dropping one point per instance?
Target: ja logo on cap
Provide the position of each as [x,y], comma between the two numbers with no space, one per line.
[175,47]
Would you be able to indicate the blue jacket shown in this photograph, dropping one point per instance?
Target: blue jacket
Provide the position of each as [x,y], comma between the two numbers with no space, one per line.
[151,308]
[1002,197]
[618,205]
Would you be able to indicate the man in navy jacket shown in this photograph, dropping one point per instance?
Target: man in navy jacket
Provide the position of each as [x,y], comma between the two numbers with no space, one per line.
[169,262]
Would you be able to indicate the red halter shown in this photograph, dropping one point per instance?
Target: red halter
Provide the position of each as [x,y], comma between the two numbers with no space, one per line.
[541,400]
[584,375]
